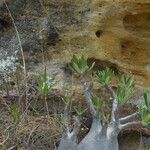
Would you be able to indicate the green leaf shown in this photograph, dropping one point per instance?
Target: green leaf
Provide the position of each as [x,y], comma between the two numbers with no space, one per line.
[146,118]
[80,65]
[16,116]
[35,110]
[79,110]
[45,84]
[76,68]
[104,77]
[144,109]
[106,116]
[147,99]
[93,64]
[67,98]
[125,89]
[83,61]
[97,102]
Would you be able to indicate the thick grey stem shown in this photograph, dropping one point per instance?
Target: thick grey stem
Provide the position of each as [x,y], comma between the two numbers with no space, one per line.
[92,140]
[128,118]
[114,115]
[76,128]
[88,96]
[69,139]
[130,124]
[114,112]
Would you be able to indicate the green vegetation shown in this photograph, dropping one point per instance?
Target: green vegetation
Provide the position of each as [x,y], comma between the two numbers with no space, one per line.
[16,116]
[104,111]
[144,110]
[104,124]
[104,77]
[45,84]
[79,64]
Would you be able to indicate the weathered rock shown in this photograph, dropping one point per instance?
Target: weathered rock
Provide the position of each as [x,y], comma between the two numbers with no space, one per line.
[35,31]
[117,32]
[125,38]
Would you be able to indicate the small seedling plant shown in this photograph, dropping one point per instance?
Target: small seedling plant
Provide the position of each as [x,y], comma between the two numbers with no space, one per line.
[45,86]
[16,114]
[103,134]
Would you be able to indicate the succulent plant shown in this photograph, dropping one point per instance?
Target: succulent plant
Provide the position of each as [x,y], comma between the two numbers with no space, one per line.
[79,64]
[144,109]
[104,77]
[125,89]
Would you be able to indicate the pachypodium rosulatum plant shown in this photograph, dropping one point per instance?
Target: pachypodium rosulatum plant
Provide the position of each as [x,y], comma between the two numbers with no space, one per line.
[69,138]
[105,126]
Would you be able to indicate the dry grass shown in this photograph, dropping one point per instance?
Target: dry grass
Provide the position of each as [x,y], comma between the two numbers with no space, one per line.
[36,132]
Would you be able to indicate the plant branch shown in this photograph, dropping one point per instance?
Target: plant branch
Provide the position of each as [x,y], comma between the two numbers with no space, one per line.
[128,118]
[88,96]
[47,109]
[76,128]
[110,90]
[114,113]
[130,124]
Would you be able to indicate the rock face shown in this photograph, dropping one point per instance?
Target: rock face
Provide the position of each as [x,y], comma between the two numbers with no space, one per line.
[124,40]
[35,31]
[114,31]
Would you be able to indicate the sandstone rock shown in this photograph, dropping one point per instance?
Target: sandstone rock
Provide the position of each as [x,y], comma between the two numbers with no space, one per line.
[114,31]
